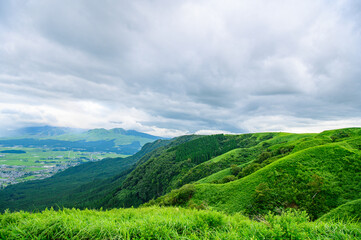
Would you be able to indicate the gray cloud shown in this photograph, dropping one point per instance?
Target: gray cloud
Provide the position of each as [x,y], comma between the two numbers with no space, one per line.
[183,66]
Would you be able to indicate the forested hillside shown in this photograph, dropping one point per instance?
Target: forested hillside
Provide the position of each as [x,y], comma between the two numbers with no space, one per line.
[183,164]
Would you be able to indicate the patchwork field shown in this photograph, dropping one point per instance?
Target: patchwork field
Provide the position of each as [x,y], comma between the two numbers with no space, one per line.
[18,164]
[33,153]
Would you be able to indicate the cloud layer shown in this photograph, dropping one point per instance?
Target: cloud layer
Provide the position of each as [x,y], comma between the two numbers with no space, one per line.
[176,67]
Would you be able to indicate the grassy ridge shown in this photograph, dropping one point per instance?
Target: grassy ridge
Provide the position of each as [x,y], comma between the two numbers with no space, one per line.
[312,172]
[238,156]
[179,165]
[293,180]
[167,223]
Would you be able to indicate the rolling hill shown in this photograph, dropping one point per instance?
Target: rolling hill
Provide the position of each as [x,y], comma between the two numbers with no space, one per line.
[316,173]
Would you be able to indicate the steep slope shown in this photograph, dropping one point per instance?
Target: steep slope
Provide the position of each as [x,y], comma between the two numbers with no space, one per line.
[234,157]
[100,194]
[186,163]
[320,173]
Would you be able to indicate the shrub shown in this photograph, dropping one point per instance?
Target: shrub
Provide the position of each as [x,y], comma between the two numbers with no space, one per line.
[287,225]
[185,193]
[251,168]
[175,197]
[228,178]
[263,156]
[235,169]
[339,135]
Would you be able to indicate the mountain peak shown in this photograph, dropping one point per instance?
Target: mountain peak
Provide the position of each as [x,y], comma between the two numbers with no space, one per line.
[122,131]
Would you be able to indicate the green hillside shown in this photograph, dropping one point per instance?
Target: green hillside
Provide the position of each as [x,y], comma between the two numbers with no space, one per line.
[303,180]
[167,223]
[200,158]
[183,164]
[315,173]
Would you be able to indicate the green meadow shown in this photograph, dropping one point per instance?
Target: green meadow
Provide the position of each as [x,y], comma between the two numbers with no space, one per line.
[47,155]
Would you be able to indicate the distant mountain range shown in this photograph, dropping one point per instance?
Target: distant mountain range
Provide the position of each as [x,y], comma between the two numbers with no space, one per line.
[116,140]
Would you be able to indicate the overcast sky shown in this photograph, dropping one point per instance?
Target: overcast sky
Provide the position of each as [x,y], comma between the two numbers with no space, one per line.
[176,67]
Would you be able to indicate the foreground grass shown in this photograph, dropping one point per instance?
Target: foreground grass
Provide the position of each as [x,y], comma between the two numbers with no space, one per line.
[167,223]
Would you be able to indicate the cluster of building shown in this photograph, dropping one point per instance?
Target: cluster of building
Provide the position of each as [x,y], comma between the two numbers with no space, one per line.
[15,174]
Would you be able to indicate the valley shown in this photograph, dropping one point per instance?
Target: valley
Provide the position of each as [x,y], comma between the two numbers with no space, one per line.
[35,153]
[19,164]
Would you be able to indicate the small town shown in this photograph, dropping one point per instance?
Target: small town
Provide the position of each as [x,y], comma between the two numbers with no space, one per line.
[13,174]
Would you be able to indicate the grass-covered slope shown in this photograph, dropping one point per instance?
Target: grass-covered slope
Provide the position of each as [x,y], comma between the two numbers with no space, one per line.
[318,173]
[167,223]
[316,179]
[183,164]
[238,156]
[348,212]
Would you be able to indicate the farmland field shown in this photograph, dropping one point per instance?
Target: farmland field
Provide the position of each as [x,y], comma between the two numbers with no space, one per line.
[33,153]
[18,164]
